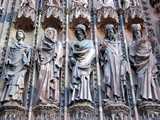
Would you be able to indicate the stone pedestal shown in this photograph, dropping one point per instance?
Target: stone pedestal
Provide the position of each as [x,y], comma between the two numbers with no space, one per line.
[12,111]
[81,111]
[116,111]
[149,110]
[46,112]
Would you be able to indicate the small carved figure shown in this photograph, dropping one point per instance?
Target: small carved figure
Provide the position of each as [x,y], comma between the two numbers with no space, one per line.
[113,65]
[50,54]
[82,55]
[18,60]
[144,66]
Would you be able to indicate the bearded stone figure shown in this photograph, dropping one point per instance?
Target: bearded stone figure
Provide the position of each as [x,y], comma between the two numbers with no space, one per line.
[16,66]
[81,56]
[113,65]
[144,66]
[50,56]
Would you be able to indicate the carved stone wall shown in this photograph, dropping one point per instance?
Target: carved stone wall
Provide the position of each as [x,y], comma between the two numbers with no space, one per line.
[79,60]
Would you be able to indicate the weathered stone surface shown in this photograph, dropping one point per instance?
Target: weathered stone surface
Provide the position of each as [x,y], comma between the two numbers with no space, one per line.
[85,99]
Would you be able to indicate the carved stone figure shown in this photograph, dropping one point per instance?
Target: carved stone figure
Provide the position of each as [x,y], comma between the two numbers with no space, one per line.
[18,59]
[50,54]
[144,66]
[113,65]
[82,55]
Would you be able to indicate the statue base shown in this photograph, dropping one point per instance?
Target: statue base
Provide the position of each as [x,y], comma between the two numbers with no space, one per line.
[81,111]
[116,111]
[12,111]
[46,112]
[149,110]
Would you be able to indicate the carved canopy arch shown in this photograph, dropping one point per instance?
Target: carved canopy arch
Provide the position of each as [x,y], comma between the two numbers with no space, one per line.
[53,14]
[79,9]
[107,15]
[26,15]
[134,15]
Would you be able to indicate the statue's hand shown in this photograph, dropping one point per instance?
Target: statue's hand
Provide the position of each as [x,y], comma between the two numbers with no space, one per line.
[73,61]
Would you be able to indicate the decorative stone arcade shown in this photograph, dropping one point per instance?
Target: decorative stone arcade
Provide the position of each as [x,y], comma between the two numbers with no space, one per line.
[79,60]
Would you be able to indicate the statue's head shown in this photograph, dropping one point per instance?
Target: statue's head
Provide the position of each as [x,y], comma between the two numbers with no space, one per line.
[80,32]
[51,33]
[20,35]
[136,29]
[110,31]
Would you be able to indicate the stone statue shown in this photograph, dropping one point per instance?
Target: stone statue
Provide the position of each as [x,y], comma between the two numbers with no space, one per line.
[16,66]
[50,56]
[81,56]
[113,65]
[144,66]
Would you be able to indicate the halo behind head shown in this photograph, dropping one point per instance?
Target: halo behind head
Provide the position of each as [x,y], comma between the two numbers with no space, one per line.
[136,27]
[81,26]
